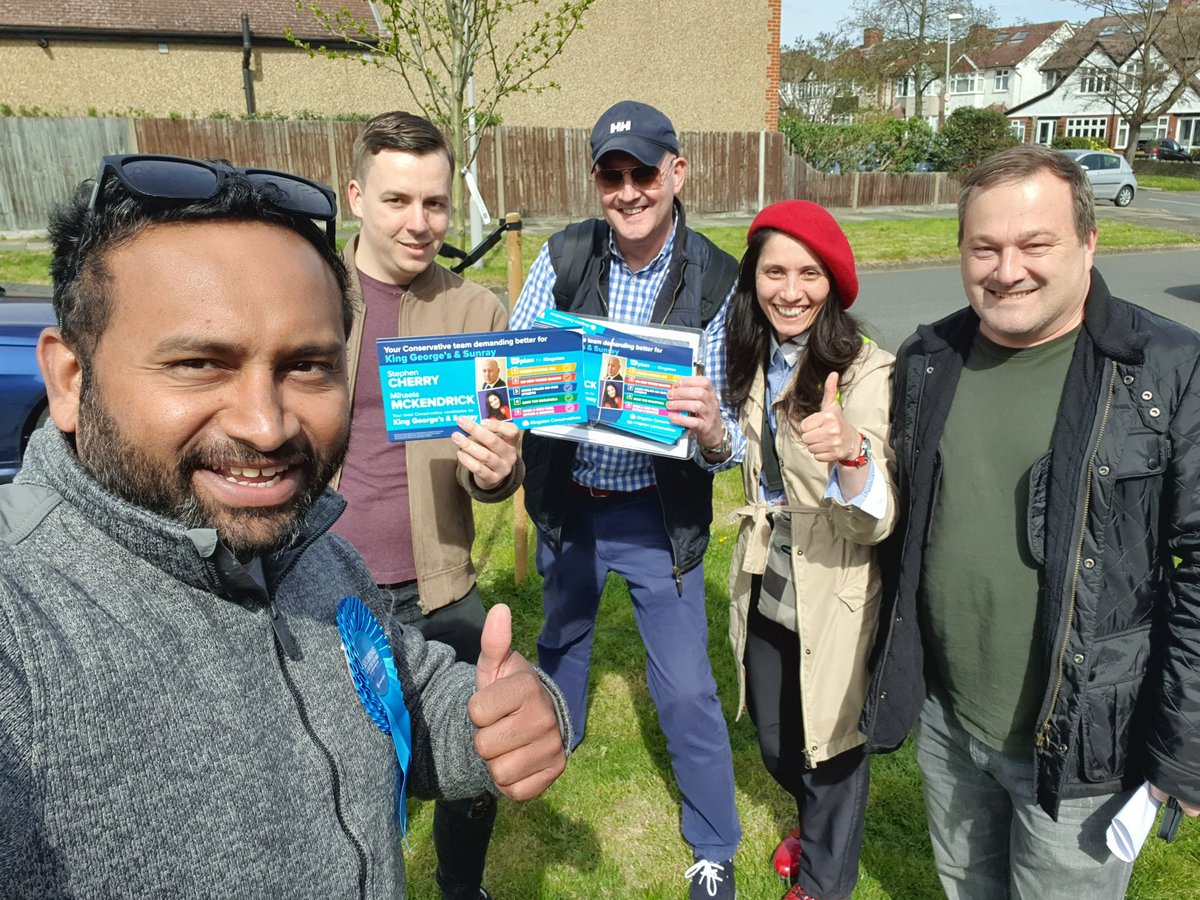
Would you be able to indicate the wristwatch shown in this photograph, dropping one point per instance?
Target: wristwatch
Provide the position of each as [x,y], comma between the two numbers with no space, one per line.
[723,448]
[864,454]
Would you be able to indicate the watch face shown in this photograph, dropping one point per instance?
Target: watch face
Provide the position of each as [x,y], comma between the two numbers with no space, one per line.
[865,450]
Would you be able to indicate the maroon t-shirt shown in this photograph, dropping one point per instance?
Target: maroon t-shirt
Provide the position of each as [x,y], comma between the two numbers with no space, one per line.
[375,475]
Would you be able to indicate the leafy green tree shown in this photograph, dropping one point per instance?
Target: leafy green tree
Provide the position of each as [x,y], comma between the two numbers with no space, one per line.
[1062,142]
[446,50]
[812,83]
[969,136]
[885,145]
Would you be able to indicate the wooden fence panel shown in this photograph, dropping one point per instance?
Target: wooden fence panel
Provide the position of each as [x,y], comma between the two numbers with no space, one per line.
[42,161]
[538,172]
[317,150]
[722,171]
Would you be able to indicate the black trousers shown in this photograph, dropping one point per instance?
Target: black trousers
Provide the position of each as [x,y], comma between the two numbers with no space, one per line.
[831,800]
[462,829]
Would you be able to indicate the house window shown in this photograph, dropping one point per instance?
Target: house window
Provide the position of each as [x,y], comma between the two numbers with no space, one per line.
[1160,130]
[1018,130]
[1095,127]
[810,89]
[904,86]
[1001,85]
[1131,75]
[1094,80]
[1122,135]
[1189,133]
[963,82]
[1049,80]
[1018,37]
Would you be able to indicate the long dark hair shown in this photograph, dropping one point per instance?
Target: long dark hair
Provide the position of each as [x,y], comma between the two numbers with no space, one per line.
[495,412]
[834,342]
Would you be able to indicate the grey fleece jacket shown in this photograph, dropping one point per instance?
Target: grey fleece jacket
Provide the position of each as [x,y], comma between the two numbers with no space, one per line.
[157,740]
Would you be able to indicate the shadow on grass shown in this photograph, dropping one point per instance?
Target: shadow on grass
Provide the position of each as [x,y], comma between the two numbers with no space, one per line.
[530,838]
[896,849]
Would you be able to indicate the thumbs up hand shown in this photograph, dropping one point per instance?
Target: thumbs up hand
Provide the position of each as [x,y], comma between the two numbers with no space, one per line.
[516,727]
[826,433]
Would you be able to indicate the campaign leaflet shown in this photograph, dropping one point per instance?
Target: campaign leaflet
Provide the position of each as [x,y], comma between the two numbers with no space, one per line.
[626,376]
[530,378]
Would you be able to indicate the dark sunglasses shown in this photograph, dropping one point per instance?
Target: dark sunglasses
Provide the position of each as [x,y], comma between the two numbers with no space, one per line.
[178,179]
[644,178]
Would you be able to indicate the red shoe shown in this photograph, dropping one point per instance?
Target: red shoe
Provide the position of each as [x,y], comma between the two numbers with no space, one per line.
[797,893]
[787,857]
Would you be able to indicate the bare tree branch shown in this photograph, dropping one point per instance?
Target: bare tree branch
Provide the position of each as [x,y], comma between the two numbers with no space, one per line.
[435,46]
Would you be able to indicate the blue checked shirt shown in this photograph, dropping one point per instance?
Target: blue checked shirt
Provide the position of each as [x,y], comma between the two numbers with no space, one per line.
[631,298]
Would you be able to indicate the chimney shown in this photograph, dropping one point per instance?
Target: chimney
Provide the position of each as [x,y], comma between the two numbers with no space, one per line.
[872,36]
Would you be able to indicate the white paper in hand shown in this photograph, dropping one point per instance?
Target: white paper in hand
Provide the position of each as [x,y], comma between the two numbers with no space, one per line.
[1131,826]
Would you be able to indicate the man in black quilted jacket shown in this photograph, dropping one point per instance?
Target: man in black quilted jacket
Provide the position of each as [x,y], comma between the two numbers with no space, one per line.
[1044,587]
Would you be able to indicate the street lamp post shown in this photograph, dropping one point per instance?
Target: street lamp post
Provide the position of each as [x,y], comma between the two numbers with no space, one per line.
[951,18]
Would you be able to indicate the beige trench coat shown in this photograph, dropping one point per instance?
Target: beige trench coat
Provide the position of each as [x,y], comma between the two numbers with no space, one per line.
[833,561]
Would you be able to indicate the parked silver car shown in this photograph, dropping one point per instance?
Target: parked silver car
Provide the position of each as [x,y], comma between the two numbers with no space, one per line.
[1111,176]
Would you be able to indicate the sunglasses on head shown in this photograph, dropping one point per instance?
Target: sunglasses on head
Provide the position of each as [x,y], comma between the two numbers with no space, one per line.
[644,178]
[179,180]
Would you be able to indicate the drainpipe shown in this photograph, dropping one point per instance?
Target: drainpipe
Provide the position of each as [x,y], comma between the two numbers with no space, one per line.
[247,73]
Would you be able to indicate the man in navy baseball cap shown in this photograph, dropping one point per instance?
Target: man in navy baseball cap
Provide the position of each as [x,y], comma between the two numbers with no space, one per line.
[634,128]
[601,509]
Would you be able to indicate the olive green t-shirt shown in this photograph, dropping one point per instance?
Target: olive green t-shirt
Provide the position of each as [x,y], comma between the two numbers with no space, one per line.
[979,580]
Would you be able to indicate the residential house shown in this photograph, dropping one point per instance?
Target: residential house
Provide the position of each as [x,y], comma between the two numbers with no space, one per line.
[839,89]
[717,69]
[990,68]
[1109,71]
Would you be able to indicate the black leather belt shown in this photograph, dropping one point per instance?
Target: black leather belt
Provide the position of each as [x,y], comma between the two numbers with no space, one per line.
[601,494]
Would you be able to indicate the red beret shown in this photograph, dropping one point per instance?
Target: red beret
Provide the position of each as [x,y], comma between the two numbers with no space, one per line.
[819,231]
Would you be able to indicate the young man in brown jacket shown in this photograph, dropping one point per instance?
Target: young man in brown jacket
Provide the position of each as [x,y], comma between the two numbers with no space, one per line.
[409,504]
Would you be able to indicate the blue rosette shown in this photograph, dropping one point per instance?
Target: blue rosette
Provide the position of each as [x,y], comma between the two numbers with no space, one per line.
[373,671]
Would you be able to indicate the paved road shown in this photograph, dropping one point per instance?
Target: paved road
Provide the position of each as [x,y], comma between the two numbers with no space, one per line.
[893,301]
[1178,211]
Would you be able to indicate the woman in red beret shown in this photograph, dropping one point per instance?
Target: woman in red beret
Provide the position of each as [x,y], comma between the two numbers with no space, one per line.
[812,394]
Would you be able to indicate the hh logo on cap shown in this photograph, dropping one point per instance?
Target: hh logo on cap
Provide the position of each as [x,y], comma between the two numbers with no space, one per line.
[620,126]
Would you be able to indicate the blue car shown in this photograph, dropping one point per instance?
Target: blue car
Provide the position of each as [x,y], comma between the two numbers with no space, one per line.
[24,312]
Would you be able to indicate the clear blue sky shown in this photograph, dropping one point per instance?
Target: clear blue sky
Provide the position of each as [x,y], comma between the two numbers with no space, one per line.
[806,18]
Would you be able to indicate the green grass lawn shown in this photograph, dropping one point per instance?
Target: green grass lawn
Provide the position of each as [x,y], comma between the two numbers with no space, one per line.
[25,266]
[875,243]
[1169,182]
[609,828]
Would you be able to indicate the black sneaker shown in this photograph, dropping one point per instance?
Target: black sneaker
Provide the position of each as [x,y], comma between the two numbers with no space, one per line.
[711,880]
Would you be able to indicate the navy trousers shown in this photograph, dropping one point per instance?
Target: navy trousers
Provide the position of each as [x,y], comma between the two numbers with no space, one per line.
[625,534]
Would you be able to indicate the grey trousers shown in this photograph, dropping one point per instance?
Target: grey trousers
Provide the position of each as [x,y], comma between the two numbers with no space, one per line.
[991,840]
